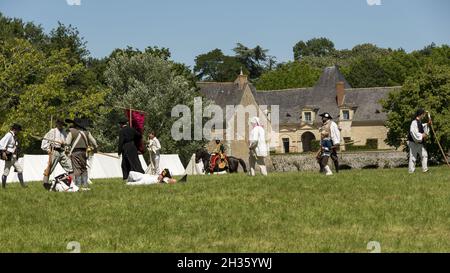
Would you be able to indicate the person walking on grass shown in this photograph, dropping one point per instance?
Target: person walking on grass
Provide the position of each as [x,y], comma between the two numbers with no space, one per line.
[257,147]
[9,153]
[417,135]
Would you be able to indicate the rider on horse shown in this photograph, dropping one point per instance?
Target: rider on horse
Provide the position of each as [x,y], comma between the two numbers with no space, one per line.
[219,157]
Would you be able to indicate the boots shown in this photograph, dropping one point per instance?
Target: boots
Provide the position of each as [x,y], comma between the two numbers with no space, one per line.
[4,181]
[20,176]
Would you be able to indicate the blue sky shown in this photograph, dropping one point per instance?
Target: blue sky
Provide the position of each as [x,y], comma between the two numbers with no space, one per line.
[193,27]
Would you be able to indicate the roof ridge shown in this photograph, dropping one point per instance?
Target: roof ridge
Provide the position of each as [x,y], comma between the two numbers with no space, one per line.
[215,82]
[287,89]
[371,88]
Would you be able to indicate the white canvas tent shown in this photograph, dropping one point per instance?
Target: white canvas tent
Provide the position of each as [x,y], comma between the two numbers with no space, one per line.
[34,166]
[171,162]
[194,169]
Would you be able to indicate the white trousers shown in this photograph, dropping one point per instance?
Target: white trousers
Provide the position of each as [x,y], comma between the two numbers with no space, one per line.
[414,150]
[154,162]
[257,160]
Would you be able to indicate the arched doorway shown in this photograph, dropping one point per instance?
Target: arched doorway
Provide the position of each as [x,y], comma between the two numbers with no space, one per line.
[307,137]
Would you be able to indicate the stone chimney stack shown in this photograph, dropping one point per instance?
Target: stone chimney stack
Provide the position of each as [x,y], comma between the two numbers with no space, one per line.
[241,80]
[340,93]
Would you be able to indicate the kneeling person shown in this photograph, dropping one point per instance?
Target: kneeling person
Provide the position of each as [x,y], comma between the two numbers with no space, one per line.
[62,183]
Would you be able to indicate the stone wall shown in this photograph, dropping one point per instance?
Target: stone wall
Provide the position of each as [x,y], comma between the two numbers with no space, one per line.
[347,160]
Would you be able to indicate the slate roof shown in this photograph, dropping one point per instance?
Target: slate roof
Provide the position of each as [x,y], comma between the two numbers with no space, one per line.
[367,101]
[222,93]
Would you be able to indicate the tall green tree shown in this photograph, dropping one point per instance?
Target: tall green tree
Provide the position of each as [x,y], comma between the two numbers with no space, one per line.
[289,75]
[317,47]
[36,87]
[255,60]
[152,84]
[429,89]
[215,66]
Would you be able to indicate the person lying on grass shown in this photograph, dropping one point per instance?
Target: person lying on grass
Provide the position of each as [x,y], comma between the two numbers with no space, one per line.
[136,178]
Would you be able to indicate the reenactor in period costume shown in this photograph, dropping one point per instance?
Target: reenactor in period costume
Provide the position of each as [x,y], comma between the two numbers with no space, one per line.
[81,143]
[9,153]
[154,149]
[258,147]
[326,145]
[129,140]
[330,128]
[418,133]
[218,157]
[54,144]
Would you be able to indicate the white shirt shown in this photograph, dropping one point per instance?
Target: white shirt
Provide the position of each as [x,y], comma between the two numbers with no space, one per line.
[136,179]
[56,135]
[414,129]
[62,187]
[335,133]
[154,145]
[258,136]
[8,143]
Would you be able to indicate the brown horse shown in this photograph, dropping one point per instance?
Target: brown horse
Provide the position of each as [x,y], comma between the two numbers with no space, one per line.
[233,162]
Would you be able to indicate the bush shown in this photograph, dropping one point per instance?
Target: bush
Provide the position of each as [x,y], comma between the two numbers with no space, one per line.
[315,145]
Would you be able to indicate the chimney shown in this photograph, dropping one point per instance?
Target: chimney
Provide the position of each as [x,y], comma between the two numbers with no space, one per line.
[340,93]
[241,80]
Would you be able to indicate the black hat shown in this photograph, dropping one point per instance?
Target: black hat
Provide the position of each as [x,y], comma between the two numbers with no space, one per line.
[60,121]
[16,127]
[326,115]
[123,121]
[80,123]
[166,173]
[420,112]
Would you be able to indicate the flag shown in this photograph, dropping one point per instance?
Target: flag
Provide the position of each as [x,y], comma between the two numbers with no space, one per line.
[137,122]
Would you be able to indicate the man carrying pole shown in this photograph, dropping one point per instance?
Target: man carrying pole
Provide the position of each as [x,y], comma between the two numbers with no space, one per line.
[417,135]
[54,143]
[129,139]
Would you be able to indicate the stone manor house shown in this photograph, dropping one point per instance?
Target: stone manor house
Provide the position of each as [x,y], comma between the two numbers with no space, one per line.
[357,111]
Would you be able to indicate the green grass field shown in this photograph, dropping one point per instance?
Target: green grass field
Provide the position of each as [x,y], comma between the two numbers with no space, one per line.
[284,212]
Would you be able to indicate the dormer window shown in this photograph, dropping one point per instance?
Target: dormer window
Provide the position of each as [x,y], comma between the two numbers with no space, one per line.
[307,117]
[346,114]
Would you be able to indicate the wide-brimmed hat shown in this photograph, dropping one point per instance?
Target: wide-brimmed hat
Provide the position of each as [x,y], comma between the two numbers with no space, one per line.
[255,120]
[326,115]
[16,127]
[78,122]
[420,112]
[122,121]
[60,121]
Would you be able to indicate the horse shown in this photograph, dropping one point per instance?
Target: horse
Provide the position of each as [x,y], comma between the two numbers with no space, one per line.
[233,162]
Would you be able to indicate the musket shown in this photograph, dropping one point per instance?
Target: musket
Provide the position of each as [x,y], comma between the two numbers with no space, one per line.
[437,140]
[58,142]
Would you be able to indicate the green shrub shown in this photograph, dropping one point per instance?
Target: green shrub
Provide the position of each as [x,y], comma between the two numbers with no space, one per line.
[315,145]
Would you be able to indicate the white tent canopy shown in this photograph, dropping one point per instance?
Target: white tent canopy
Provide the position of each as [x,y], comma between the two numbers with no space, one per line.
[102,166]
[194,169]
[171,162]
[34,165]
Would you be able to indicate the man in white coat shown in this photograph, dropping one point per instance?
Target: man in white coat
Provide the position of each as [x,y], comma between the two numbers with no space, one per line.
[258,147]
[418,133]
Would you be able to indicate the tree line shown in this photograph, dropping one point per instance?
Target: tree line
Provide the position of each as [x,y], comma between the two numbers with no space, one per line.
[44,76]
